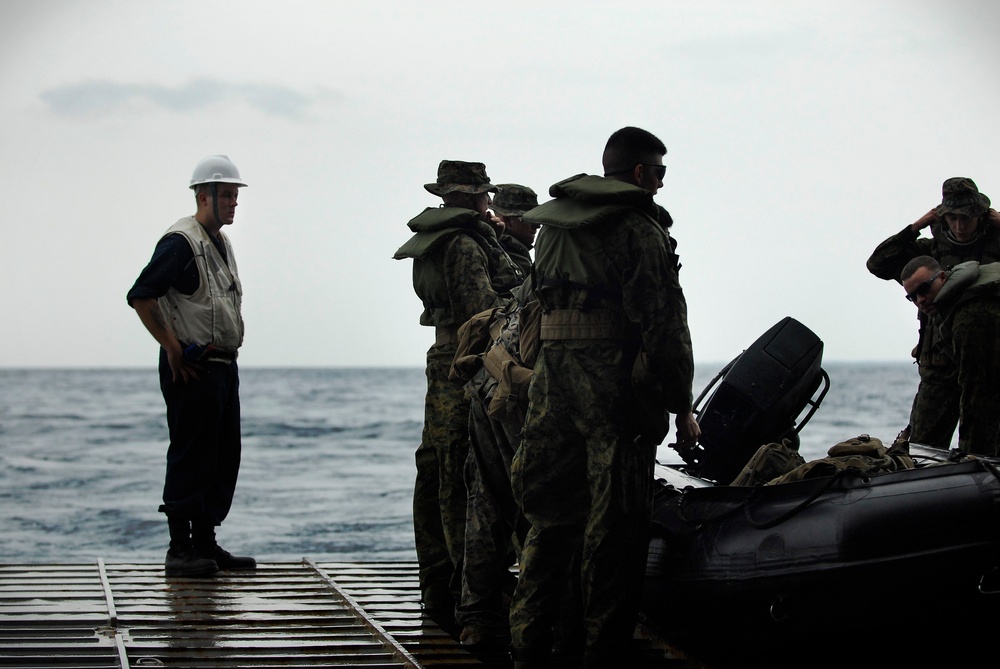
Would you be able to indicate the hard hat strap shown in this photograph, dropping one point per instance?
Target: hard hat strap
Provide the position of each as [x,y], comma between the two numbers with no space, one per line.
[215,203]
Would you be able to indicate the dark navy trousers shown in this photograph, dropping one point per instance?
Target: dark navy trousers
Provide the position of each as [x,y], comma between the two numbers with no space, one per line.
[203,459]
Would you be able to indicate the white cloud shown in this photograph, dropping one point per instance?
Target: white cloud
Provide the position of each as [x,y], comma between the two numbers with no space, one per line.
[801,134]
[92,98]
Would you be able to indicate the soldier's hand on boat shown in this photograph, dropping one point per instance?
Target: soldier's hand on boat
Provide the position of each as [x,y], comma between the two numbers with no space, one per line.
[688,432]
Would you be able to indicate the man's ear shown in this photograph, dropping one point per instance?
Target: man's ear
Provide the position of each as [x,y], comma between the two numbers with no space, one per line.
[637,173]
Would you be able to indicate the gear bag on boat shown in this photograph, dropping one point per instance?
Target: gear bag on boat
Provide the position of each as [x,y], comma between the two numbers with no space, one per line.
[862,453]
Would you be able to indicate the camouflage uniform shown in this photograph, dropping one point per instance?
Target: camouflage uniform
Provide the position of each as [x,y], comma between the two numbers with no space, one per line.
[456,259]
[519,253]
[494,525]
[968,318]
[584,470]
[935,410]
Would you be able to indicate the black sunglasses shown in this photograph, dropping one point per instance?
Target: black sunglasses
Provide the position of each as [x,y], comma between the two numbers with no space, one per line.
[923,288]
[659,170]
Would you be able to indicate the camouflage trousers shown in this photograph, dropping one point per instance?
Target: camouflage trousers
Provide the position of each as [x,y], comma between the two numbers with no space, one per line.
[439,495]
[975,328]
[934,414]
[494,528]
[584,486]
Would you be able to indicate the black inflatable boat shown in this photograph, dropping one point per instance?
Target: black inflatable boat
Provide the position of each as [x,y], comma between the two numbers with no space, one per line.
[831,568]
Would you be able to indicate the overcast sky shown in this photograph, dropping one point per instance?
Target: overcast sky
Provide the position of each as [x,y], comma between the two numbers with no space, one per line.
[800,135]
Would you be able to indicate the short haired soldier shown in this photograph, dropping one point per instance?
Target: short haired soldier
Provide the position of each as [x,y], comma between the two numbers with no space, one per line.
[611,301]
[963,305]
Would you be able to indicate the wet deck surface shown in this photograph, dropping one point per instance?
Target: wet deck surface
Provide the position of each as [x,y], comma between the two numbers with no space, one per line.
[298,614]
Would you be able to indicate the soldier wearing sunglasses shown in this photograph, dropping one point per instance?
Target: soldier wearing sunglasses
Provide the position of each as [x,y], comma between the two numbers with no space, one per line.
[611,301]
[962,228]
[963,306]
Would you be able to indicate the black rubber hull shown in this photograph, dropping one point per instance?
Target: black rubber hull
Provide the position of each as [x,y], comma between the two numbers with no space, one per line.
[757,575]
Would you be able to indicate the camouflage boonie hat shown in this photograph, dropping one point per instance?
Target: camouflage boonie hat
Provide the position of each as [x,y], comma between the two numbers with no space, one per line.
[960,195]
[457,175]
[513,200]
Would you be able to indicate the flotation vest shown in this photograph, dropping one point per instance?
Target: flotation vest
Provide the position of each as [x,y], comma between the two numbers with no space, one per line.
[210,315]
[966,281]
[580,297]
[519,253]
[433,228]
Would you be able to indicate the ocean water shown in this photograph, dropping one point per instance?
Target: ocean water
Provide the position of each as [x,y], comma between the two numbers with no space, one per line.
[327,467]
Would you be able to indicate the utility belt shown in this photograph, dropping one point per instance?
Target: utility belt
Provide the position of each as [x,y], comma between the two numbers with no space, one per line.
[445,334]
[207,353]
[587,324]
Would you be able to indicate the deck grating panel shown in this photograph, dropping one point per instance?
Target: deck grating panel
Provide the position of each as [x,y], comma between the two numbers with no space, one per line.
[300,614]
[296,614]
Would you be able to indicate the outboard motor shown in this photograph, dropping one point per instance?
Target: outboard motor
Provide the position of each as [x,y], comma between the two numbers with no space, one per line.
[758,400]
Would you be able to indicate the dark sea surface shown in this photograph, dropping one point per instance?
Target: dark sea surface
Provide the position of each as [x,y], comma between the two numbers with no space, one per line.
[327,458]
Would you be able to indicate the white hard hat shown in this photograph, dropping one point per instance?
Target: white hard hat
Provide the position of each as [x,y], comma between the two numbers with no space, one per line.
[216,169]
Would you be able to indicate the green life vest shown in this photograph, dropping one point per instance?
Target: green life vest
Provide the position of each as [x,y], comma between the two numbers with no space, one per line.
[570,256]
[433,228]
[966,281]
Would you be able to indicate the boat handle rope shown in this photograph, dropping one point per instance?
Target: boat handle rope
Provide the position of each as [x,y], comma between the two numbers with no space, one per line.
[992,467]
[749,501]
[798,508]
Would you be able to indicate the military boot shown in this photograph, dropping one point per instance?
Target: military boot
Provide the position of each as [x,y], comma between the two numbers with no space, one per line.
[531,659]
[182,560]
[205,545]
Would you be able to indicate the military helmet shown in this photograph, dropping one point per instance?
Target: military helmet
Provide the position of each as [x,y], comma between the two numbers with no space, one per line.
[513,200]
[960,195]
[458,175]
[216,169]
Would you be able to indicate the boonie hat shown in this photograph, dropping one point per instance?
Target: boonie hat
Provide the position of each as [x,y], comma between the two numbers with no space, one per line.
[960,195]
[460,176]
[513,200]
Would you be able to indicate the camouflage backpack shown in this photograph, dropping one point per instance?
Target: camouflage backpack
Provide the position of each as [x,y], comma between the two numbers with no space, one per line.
[511,360]
[769,462]
[504,342]
[862,453]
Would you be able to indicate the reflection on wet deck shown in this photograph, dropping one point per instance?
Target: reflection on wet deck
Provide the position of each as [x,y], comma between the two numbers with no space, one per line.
[283,615]
[295,614]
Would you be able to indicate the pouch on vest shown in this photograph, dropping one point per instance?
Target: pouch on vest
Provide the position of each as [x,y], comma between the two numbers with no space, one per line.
[510,360]
[510,399]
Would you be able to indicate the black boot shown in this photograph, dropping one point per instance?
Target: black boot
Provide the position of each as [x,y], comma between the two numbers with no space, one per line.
[203,534]
[182,560]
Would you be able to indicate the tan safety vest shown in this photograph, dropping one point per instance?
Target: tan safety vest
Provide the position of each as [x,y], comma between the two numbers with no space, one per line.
[210,315]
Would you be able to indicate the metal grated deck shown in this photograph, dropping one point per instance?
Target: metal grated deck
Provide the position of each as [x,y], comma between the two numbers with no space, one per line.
[283,615]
